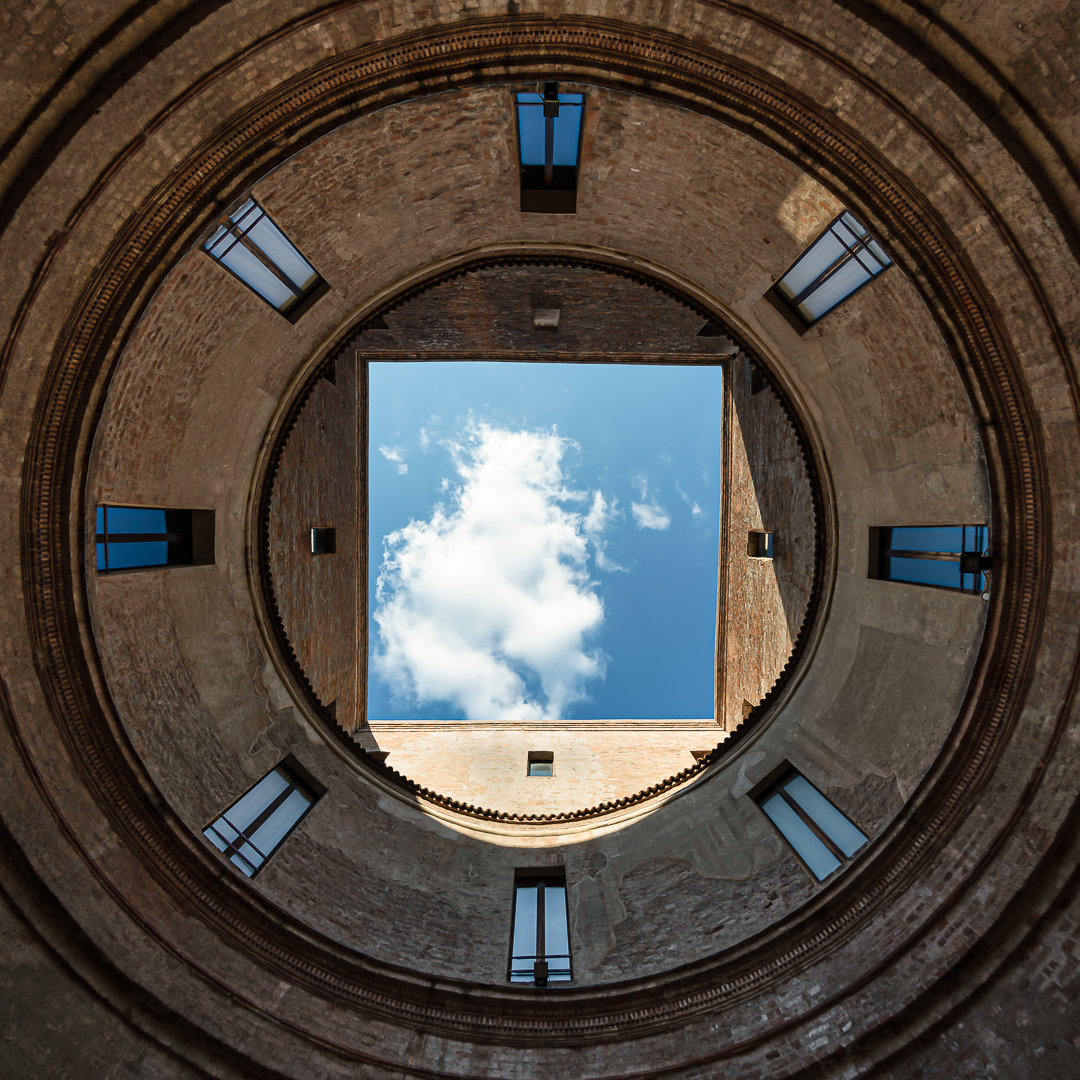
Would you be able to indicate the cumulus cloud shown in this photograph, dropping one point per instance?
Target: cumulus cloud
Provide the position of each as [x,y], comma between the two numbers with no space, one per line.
[425,439]
[488,605]
[600,516]
[694,508]
[394,454]
[648,514]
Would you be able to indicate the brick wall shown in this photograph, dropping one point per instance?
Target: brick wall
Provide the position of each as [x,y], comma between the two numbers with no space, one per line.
[766,488]
[318,486]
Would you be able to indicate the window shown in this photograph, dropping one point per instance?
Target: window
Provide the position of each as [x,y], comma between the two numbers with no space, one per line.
[255,250]
[256,825]
[939,556]
[323,541]
[546,318]
[541,763]
[549,147]
[837,264]
[821,835]
[140,537]
[540,950]
[760,545]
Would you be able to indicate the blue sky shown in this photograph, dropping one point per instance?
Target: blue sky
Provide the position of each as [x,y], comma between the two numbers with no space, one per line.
[543,540]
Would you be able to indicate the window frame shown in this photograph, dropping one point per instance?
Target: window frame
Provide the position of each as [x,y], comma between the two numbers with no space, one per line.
[789,306]
[546,198]
[540,757]
[540,878]
[774,784]
[195,537]
[881,551]
[327,535]
[298,779]
[303,297]
[758,539]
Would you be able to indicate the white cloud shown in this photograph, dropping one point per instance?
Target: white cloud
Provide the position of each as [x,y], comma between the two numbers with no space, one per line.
[394,454]
[599,517]
[648,514]
[425,439]
[489,605]
[695,509]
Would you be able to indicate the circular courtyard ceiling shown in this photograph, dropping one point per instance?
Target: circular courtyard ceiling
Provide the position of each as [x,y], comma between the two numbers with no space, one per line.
[915,410]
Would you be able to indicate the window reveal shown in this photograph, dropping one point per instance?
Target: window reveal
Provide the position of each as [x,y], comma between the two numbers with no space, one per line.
[142,537]
[254,249]
[760,545]
[937,556]
[323,541]
[541,763]
[256,825]
[540,937]
[843,259]
[549,149]
[822,836]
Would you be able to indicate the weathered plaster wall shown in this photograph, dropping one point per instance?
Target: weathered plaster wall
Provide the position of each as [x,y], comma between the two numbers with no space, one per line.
[596,761]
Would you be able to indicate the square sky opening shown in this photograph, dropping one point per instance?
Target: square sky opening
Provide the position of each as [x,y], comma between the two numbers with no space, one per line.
[542,540]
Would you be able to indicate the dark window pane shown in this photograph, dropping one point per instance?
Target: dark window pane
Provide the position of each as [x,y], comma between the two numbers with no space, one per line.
[799,835]
[531,129]
[844,258]
[928,538]
[281,253]
[245,810]
[925,572]
[556,934]
[277,825]
[524,946]
[830,820]
[541,768]
[133,519]
[128,556]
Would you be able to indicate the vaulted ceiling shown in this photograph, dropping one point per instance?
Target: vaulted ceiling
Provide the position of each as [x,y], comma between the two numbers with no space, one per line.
[720,138]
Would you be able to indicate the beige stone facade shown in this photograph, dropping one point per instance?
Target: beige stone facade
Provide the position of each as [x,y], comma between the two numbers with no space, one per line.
[595,761]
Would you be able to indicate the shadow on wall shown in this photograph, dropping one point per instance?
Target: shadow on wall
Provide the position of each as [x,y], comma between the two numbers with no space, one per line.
[765,590]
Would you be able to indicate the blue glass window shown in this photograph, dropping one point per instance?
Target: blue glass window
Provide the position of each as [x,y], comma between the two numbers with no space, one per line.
[843,259]
[255,250]
[139,537]
[255,826]
[939,556]
[540,939]
[821,835]
[549,148]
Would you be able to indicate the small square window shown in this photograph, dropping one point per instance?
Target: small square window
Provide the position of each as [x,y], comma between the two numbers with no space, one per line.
[822,836]
[540,934]
[252,248]
[143,537]
[256,825]
[760,545]
[323,541]
[843,259]
[541,763]
[549,149]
